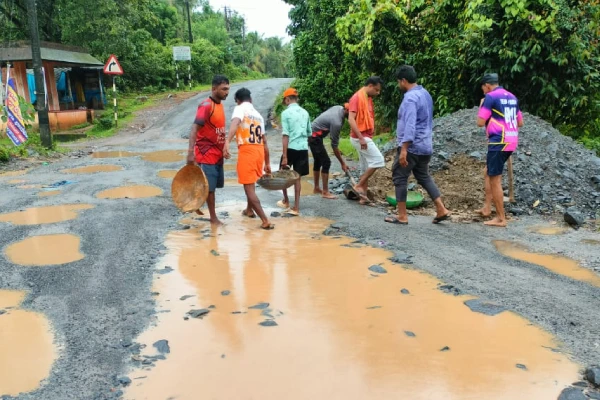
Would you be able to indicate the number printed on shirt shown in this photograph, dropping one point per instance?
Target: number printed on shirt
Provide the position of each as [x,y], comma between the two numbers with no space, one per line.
[510,117]
[255,134]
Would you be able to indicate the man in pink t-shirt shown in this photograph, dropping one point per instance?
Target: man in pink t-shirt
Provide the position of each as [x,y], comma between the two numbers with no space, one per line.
[500,114]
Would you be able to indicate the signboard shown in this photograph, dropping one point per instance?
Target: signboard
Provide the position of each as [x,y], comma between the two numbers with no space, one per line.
[182,53]
[15,127]
[112,66]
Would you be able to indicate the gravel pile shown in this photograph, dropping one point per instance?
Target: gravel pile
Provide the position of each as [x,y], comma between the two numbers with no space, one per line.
[552,172]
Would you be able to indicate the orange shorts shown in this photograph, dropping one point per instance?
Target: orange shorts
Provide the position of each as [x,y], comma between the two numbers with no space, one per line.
[251,161]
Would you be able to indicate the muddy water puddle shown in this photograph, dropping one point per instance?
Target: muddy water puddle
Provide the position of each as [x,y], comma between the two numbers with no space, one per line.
[342,331]
[167,173]
[16,181]
[45,215]
[164,156]
[25,344]
[130,192]
[27,187]
[555,263]
[92,169]
[45,250]
[114,154]
[548,230]
[13,173]
[49,193]
[591,241]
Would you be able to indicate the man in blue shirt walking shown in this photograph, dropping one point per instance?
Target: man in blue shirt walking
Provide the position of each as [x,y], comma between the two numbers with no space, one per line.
[415,145]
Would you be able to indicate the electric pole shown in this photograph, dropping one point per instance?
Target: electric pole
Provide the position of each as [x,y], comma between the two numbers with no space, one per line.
[227,18]
[36,55]
[187,3]
[244,41]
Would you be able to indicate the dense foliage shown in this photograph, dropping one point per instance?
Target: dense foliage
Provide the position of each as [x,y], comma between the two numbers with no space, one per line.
[142,32]
[546,52]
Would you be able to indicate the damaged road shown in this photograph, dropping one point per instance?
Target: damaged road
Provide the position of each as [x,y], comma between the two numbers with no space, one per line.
[138,288]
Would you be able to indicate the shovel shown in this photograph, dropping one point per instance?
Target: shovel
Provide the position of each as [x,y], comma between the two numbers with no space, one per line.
[349,189]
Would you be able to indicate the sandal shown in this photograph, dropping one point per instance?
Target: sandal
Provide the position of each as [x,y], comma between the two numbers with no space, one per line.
[268,227]
[282,204]
[437,220]
[292,212]
[395,220]
[245,214]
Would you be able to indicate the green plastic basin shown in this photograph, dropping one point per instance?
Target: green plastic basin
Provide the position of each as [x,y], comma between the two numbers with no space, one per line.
[413,199]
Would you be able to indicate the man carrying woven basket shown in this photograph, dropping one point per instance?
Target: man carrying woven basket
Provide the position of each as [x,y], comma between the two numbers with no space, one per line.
[247,125]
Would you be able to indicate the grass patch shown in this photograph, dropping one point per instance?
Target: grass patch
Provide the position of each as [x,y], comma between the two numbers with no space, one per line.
[33,144]
[347,149]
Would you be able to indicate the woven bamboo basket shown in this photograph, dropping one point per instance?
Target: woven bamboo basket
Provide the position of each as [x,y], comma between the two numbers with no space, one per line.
[189,188]
[279,180]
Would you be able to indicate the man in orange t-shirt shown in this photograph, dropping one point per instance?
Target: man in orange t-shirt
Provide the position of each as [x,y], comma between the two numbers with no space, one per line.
[207,139]
[361,118]
[248,127]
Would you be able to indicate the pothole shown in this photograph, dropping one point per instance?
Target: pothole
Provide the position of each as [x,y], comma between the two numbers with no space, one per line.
[45,250]
[92,169]
[49,193]
[167,173]
[13,173]
[558,264]
[164,156]
[25,344]
[130,192]
[45,215]
[548,230]
[238,304]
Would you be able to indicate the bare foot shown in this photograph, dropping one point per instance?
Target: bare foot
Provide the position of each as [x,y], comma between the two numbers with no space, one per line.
[248,213]
[496,222]
[484,212]
[329,196]
[215,222]
[317,191]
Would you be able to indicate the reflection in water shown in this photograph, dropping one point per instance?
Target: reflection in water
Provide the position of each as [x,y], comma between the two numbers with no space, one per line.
[167,173]
[113,154]
[330,343]
[92,169]
[558,264]
[25,346]
[130,192]
[45,250]
[549,230]
[45,215]
[164,156]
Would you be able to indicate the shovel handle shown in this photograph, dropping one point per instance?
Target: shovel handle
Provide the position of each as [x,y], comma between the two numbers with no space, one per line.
[352,181]
[511,186]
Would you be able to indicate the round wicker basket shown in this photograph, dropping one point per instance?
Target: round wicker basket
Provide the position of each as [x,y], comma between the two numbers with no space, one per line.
[279,180]
[189,188]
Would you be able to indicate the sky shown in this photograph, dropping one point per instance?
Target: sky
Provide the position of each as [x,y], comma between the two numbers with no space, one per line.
[269,17]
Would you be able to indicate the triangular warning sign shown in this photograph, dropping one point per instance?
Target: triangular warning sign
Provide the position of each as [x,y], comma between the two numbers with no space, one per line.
[112,66]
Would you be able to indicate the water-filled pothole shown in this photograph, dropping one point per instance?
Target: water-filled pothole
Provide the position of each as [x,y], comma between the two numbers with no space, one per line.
[45,215]
[92,169]
[25,345]
[337,329]
[167,173]
[45,250]
[130,192]
[558,264]
[164,156]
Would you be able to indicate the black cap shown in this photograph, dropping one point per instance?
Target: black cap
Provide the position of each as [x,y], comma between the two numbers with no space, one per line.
[489,78]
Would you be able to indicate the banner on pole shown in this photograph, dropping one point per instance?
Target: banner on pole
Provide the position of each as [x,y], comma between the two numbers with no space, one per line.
[15,127]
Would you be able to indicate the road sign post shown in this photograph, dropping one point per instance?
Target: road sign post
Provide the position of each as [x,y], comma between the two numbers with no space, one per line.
[183,53]
[112,67]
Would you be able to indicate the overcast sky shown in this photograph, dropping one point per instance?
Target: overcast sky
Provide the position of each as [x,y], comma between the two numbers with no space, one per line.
[269,17]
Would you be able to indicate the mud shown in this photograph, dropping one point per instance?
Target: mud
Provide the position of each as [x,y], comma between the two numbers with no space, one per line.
[549,230]
[13,173]
[45,215]
[591,241]
[558,264]
[114,154]
[167,173]
[164,156]
[45,250]
[92,169]
[312,328]
[130,192]
[49,193]
[16,181]
[26,187]
[26,345]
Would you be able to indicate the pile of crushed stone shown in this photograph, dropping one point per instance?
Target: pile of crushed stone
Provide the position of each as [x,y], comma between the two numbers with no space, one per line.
[552,172]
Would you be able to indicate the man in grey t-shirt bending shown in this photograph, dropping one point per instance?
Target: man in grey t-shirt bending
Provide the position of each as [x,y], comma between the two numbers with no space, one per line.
[328,123]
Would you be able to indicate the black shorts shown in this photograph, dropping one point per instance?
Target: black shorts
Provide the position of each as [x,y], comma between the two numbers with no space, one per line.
[215,176]
[297,160]
[496,161]
[322,161]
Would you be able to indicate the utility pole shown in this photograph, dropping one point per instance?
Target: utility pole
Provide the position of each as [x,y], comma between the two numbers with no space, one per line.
[227,18]
[187,3]
[42,109]
[244,41]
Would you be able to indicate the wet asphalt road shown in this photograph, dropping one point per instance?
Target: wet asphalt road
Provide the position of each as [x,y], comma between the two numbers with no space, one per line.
[98,305]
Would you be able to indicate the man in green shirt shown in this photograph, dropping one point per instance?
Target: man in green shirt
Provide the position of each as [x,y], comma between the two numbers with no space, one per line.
[296,126]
